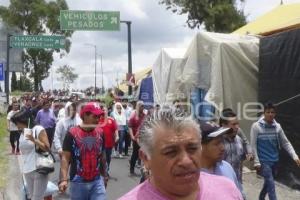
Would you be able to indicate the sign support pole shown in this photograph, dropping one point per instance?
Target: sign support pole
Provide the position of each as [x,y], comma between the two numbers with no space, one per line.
[7,68]
[128,23]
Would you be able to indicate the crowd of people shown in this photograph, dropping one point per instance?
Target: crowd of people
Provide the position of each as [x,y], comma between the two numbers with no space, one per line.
[182,158]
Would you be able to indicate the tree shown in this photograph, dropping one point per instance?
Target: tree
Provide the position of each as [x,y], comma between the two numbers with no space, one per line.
[67,76]
[25,84]
[215,15]
[14,82]
[34,17]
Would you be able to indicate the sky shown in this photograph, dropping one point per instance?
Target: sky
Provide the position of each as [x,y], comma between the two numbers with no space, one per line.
[153,27]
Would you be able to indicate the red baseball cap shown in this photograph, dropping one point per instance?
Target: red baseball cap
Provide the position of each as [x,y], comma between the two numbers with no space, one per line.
[91,107]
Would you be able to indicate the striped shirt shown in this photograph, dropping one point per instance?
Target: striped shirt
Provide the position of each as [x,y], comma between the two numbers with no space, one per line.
[235,154]
[267,140]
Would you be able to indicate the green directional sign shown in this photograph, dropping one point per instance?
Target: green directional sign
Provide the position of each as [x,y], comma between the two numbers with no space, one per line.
[37,41]
[89,20]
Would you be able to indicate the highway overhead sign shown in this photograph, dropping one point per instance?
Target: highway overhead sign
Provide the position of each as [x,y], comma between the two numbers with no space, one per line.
[37,41]
[89,20]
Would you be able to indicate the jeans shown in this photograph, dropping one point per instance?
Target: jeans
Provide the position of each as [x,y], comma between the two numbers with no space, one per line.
[127,142]
[122,135]
[268,171]
[93,190]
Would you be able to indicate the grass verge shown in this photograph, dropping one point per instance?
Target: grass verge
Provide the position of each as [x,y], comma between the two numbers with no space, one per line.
[16,93]
[3,151]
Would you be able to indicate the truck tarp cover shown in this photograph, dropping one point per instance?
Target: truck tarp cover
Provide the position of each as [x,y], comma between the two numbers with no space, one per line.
[166,68]
[226,66]
[279,80]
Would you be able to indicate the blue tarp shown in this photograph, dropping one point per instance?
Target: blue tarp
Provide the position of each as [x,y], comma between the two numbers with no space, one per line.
[146,92]
[201,109]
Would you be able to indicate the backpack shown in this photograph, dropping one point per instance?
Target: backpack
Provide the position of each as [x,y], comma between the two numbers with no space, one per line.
[87,151]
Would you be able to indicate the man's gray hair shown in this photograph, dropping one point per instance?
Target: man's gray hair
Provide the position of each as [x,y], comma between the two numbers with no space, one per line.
[167,118]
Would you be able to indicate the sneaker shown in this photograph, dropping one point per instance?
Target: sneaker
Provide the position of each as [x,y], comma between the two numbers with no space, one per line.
[138,165]
[113,153]
[117,155]
[120,156]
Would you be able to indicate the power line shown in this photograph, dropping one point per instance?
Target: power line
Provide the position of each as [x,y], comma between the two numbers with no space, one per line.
[286,100]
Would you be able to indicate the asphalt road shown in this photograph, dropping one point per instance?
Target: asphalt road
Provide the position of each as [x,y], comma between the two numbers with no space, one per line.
[121,182]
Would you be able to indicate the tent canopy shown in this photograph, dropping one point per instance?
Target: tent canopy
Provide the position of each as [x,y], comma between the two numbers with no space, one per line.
[166,68]
[283,17]
[224,65]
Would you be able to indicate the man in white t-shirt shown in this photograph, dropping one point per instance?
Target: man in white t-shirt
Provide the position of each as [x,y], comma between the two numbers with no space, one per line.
[14,133]
[171,152]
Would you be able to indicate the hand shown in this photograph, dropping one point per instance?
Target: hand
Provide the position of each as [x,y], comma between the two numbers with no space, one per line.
[63,185]
[298,162]
[257,168]
[133,138]
[30,137]
[116,139]
[250,157]
[60,152]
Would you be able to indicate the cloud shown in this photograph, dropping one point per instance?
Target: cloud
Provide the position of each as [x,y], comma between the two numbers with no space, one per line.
[153,27]
[4,2]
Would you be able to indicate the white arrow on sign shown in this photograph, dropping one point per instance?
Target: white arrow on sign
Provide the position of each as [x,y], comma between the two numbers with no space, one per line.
[114,20]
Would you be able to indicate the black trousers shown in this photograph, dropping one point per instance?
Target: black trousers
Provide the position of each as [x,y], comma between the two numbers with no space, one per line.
[127,142]
[108,156]
[50,133]
[14,136]
[134,156]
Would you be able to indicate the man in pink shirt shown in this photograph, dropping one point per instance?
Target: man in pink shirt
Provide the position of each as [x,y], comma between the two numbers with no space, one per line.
[171,152]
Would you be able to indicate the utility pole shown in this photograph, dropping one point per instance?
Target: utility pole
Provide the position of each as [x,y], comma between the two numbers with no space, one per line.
[7,68]
[128,23]
[52,79]
[102,84]
[92,45]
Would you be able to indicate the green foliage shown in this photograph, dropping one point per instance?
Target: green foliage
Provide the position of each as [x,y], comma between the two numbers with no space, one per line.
[25,84]
[215,15]
[34,17]
[14,83]
[108,100]
[16,93]
[67,76]
[3,151]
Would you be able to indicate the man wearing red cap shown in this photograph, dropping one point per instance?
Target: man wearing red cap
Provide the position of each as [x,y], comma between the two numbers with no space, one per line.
[83,148]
